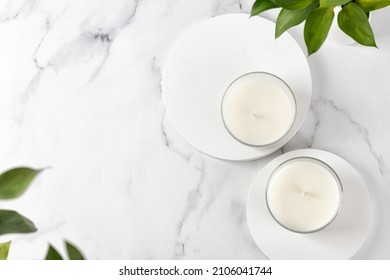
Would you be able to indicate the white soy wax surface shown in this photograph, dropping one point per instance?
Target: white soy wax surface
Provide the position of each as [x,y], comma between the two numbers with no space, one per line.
[304,195]
[258,109]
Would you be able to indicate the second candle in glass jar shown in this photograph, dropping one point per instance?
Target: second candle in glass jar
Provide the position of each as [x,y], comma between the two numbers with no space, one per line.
[258,109]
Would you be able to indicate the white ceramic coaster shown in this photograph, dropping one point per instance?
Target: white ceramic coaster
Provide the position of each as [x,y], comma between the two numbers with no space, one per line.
[340,240]
[204,63]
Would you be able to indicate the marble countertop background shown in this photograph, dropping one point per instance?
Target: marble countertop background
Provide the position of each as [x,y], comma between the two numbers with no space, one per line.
[80,92]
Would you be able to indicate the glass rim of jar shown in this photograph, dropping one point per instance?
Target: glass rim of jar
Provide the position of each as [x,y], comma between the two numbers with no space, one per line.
[335,176]
[291,97]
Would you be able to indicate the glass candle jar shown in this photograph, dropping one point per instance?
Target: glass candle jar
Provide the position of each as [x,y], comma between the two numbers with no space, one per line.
[304,194]
[258,109]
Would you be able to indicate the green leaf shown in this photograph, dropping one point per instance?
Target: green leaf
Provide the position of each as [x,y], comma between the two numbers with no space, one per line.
[289,18]
[73,252]
[317,28]
[293,4]
[14,182]
[354,22]
[371,5]
[13,222]
[262,5]
[4,249]
[333,3]
[52,254]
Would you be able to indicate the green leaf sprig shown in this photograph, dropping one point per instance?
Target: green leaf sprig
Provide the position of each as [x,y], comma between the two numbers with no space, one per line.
[72,251]
[319,16]
[13,183]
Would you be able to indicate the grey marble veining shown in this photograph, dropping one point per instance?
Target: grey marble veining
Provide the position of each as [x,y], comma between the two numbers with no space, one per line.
[80,91]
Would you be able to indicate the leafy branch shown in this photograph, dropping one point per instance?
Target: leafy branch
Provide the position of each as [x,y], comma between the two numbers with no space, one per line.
[14,183]
[319,15]
[72,251]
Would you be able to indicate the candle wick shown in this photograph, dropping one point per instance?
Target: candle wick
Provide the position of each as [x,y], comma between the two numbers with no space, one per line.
[255,115]
[305,193]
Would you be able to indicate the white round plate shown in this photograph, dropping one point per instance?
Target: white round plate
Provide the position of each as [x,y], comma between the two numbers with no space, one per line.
[339,240]
[208,58]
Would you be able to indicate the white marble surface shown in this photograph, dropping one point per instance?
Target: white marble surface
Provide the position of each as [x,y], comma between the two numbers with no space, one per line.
[80,92]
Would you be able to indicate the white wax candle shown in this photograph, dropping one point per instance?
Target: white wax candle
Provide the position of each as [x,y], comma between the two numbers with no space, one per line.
[304,194]
[258,109]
